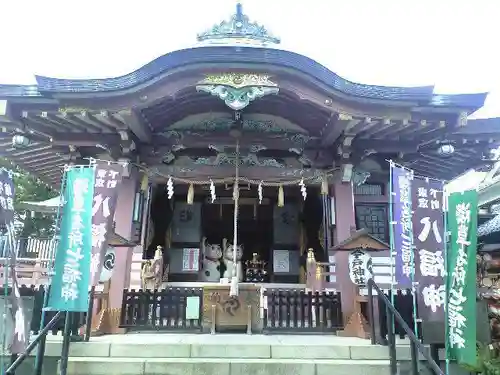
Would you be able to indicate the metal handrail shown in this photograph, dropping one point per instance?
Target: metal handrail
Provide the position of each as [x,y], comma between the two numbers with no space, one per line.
[20,359]
[415,345]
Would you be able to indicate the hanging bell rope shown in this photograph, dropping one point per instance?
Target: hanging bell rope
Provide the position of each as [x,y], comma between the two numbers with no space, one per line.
[233,291]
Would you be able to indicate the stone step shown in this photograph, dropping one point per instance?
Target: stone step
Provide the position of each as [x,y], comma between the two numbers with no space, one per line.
[304,350]
[223,366]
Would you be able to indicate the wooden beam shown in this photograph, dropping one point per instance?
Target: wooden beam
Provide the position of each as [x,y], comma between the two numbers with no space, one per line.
[201,172]
[204,141]
[389,128]
[337,124]
[384,146]
[363,125]
[41,160]
[136,124]
[86,139]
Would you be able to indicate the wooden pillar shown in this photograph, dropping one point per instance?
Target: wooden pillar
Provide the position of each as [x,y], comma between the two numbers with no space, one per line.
[345,224]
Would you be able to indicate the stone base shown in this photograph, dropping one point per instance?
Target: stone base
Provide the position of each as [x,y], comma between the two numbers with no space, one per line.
[357,326]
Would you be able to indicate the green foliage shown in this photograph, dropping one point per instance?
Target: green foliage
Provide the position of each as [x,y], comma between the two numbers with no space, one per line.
[488,361]
[29,188]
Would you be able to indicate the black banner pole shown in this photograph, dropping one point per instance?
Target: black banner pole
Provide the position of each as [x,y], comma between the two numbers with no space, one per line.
[65,344]
[88,318]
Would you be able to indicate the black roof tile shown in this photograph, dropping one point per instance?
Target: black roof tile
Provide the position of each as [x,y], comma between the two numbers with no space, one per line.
[251,55]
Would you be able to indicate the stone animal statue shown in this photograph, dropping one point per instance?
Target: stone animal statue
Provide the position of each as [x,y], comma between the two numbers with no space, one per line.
[152,271]
[229,260]
[211,261]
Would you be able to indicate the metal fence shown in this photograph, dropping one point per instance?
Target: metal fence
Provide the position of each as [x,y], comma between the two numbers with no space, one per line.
[403,303]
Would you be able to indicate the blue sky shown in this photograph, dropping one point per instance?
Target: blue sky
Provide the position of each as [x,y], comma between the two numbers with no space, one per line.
[452,44]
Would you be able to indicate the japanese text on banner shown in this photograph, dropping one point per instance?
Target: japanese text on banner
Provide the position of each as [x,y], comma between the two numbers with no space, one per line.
[69,291]
[428,227]
[461,283]
[402,234]
[107,181]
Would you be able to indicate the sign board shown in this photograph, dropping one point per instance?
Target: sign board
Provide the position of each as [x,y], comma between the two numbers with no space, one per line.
[193,307]
[286,225]
[360,267]
[190,260]
[281,261]
[186,224]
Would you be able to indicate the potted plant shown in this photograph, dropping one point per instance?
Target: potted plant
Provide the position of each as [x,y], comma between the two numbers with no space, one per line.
[488,361]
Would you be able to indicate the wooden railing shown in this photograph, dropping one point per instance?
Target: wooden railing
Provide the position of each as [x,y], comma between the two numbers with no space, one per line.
[283,311]
[293,310]
[161,309]
[33,258]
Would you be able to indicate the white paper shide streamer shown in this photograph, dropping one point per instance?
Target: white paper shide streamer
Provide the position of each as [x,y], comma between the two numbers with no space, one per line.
[233,290]
[303,189]
[260,193]
[212,191]
[170,188]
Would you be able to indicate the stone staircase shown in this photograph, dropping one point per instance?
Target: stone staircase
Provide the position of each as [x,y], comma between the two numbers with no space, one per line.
[224,354]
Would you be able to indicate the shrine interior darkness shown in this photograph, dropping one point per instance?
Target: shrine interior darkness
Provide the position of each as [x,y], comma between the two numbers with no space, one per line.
[256,223]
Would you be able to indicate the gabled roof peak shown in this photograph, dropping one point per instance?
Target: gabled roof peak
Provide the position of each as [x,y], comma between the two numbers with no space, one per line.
[238,28]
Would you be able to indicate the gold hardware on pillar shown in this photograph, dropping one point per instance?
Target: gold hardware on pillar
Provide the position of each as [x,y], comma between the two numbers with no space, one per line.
[319,273]
[310,256]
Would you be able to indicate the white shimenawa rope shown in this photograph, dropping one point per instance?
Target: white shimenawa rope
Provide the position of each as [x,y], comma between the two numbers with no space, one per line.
[236,195]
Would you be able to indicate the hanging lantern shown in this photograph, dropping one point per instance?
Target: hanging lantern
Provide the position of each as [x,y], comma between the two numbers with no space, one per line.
[170,188]
[446,149]
[20,141]
[212,191]
[281,196]
[259,190]
[303,189]
[190,195]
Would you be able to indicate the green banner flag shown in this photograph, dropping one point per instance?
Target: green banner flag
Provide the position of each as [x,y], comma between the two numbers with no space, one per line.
[461,277]
[70,283]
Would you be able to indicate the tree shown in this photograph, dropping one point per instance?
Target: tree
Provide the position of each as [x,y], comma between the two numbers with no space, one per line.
[29,188]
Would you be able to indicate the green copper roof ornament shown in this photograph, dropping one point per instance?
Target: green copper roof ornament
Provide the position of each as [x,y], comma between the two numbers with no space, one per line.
[238,29]
[238,90]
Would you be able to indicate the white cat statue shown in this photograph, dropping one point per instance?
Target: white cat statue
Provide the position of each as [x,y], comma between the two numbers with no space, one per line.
[210,265]
[229,260]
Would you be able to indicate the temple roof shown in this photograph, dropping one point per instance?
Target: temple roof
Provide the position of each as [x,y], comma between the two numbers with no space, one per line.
[169,111]
[239,41]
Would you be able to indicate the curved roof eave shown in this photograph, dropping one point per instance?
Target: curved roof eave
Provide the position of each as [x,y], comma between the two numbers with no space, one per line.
[240,54]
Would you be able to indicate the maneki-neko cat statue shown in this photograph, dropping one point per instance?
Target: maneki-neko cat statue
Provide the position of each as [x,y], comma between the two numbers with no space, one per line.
[152,271]
[229,260]
[211,261]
